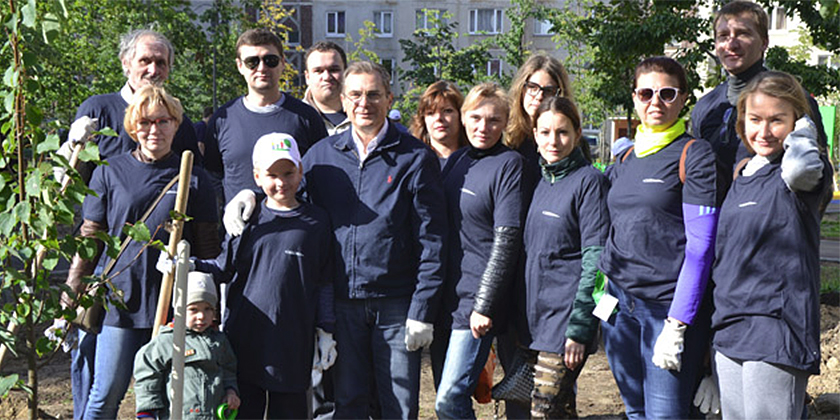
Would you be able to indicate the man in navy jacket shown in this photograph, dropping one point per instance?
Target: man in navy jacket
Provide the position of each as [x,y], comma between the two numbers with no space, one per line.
[741,39]
[382,191]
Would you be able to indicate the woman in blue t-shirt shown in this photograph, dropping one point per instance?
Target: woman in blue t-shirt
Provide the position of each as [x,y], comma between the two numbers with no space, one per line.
[767,267]
[663,204]
[124,190]
[565,232]
[484,197]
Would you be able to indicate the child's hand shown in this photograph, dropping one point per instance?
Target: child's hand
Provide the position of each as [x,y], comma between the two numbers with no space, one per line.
[232,399]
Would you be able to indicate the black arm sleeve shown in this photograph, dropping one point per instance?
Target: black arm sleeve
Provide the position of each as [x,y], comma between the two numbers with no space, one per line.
[500,270]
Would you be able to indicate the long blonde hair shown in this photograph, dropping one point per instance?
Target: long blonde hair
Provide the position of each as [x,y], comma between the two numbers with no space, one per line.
[778,85]
[519,124]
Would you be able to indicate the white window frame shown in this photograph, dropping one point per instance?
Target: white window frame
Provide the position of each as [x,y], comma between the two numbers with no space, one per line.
[489,70]
[776,14]
[542,27]
[379,19]
[418,14]
[393,69]
[497,22]
[334,16]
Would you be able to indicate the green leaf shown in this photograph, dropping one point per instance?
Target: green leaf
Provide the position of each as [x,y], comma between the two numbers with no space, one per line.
[50,261]
[138,232]
[108,131]
[7,223]
[29,12]
[10,77]
[22,211]
[49,144]
[6,383]
[87,248]
[50,27]
[89,153]
[23,309]
[44,346]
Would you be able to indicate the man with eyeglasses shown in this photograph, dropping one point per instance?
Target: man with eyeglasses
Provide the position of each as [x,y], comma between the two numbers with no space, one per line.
[741,39]
[383,193]
[146,58]
[236,126]
[325,63]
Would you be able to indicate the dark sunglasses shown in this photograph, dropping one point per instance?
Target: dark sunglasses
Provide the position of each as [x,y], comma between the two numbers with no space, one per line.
[666,94]
[271,61]
[533,89]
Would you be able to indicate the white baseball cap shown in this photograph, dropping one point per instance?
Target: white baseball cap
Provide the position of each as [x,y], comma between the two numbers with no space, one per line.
[275,146]
[395,114]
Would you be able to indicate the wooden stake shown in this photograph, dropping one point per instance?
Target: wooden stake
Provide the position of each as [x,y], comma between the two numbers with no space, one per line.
[181,198]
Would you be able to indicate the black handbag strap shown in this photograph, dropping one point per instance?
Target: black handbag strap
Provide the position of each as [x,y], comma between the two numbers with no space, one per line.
[142,219]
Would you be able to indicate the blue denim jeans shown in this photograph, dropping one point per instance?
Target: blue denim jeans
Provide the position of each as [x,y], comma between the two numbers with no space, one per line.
[370,338]
[629,337]
[465,358]
[81,370]
[113,368]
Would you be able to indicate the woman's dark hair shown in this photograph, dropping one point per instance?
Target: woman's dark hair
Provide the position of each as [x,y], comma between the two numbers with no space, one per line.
[662,64]
[436,96]
[567,107]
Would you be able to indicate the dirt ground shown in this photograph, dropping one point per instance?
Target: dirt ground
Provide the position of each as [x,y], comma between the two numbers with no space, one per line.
[598,396]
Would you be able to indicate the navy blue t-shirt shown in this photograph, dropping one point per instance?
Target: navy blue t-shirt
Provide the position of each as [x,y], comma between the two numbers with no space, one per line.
[233,130]
[564,218]
[276,269]
[767,271]
[646,246]
[125,188]
[110,108]
[482,194]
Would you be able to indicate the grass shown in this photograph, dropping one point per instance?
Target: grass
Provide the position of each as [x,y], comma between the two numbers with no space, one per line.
[830,227]
[829,278]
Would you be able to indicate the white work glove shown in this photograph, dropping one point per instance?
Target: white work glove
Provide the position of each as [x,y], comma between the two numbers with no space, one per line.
[669,346]
[60,330]
[238,210]
[707,398]
[417,334]
[81,129]
[166,264]
[325,352]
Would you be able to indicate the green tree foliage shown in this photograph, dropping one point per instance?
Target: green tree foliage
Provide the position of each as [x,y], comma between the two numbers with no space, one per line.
[820,81]
[512,40]
[822,19]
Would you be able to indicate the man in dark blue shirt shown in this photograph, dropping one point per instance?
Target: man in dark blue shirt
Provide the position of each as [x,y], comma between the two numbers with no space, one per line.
[382,191]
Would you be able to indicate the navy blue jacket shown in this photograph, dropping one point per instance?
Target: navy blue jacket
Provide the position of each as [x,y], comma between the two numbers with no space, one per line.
[109,109]
[767,271]
[389,217]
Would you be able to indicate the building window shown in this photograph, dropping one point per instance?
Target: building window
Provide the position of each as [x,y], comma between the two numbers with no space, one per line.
[425,17]
[486,20]
[388,64]
[335,24]
[542,27]
[494,67]
[384,22]
[828,61]
[778,20]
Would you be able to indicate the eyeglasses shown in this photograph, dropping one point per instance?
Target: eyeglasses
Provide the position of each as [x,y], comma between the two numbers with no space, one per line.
[666,94]
[373,97]
[533,89]
[146,125]
[271,61]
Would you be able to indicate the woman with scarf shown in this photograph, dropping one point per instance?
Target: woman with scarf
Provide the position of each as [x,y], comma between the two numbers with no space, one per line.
[565,232]
[663,204]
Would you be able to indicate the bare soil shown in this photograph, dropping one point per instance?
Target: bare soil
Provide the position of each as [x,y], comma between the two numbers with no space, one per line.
[598,396]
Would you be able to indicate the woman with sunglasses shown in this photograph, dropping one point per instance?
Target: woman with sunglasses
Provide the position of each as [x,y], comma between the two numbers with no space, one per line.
[124,190]
[663,205]
[485,201]
[767,268]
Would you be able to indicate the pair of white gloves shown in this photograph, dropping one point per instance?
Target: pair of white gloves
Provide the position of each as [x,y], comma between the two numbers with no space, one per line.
[417,334]
[666,355]
[80,131]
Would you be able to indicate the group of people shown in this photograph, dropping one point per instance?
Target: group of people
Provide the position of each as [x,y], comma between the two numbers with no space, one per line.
[351,245]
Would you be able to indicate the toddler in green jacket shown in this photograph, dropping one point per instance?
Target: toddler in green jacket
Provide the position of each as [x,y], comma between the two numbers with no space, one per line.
[209,367]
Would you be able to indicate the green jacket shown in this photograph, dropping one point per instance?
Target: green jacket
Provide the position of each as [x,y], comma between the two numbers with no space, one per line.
[209,371]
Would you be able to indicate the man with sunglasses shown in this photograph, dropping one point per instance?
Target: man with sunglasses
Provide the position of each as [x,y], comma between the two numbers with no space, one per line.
[146,58]
[382,190]
[741,39]
[235,127]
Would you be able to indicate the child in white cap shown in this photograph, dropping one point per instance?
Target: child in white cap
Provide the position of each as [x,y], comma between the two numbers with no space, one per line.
[209,367]
[280,293]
